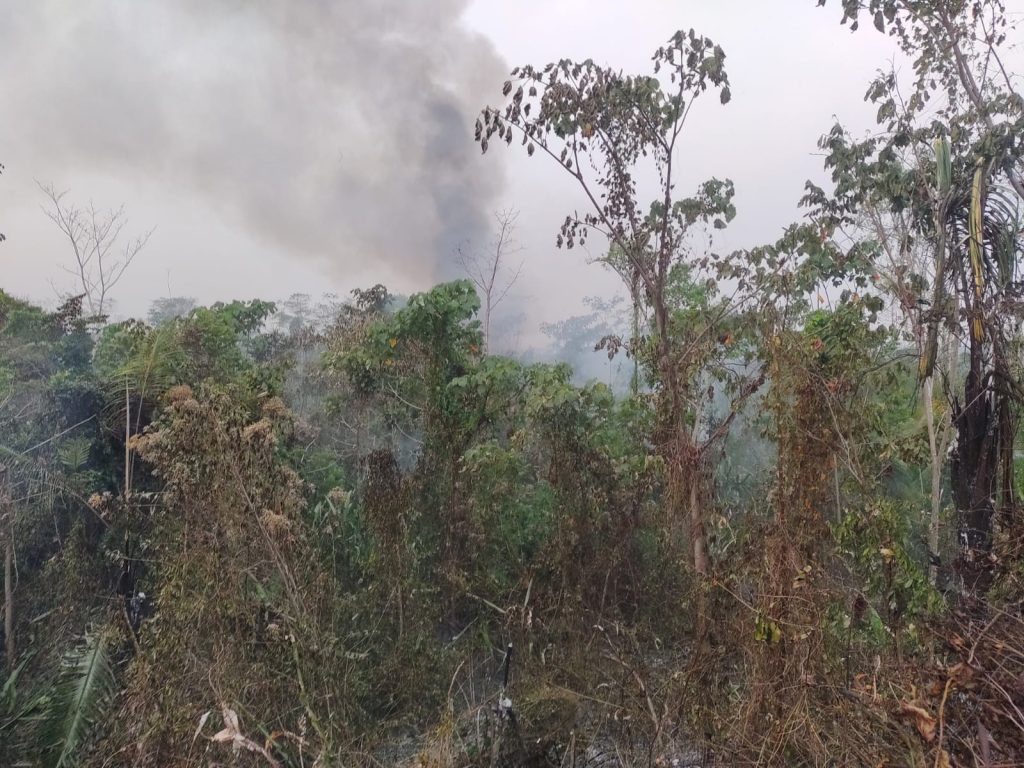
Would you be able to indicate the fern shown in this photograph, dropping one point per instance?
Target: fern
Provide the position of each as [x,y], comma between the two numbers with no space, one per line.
[74,453]
[85,684]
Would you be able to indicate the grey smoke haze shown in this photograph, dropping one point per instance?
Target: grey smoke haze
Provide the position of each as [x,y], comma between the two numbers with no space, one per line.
[335,131]
[284,146]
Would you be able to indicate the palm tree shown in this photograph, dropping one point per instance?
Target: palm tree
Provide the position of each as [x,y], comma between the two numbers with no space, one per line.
[978,232]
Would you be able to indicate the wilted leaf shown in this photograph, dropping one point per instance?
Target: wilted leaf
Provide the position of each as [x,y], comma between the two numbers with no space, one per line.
[922,719]
[985,745]
[231,730]
[199,728]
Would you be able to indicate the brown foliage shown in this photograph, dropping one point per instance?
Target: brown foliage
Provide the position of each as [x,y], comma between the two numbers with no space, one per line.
[239,610]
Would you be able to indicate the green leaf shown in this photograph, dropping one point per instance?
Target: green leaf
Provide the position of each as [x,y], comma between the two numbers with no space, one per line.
[9,693]
[74,453]
[85,684]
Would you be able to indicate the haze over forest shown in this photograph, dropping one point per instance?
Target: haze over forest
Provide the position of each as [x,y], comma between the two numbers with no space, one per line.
[450,384]
[275,145]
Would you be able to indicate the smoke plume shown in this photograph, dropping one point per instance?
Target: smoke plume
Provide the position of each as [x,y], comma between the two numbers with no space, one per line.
[335,130]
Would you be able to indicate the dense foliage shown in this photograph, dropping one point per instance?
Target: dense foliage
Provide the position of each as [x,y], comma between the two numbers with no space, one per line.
[349,534]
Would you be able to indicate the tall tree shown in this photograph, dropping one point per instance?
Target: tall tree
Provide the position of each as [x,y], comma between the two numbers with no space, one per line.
[606,129]
[965,115]
[904,267]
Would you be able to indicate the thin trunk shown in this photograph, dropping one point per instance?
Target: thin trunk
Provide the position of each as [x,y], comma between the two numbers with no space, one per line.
[936,486]
[9,594]
[839,501]
[634,384]
[127,441]
[931,351]
[686,474]
[487,318]
[698,538]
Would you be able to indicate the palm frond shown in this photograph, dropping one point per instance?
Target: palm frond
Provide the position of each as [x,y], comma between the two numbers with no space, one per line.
[9,692]
[24,475]
[17,714]
[148,368]
[988,238]
[1003,234]
[84,685]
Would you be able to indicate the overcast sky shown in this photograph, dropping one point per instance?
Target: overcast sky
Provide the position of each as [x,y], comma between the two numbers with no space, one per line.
[284,146]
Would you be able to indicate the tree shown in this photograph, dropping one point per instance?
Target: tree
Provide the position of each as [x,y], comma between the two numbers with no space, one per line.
[577,340]
[905,267]
[94,235]
[45,391]
[488,270]
[166,309]
[956,50]
[969,215]
[601,127]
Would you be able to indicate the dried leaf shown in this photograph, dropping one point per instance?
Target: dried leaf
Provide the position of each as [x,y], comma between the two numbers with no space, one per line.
[202,722]
[232,730]
[923,720]
[985,745]
[961,674]
[232,733]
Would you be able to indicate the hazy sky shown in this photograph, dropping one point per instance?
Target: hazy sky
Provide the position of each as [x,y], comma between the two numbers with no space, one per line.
[284,146]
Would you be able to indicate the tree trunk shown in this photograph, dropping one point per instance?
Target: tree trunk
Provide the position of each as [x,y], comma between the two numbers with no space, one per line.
[936,486]
[974,474]
[9,594]
[698,536]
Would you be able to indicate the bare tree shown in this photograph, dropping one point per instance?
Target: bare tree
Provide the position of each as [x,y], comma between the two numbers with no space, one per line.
[488,269]
[95,236]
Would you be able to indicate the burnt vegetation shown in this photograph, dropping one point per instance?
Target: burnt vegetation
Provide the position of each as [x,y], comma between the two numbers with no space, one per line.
[352,534]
